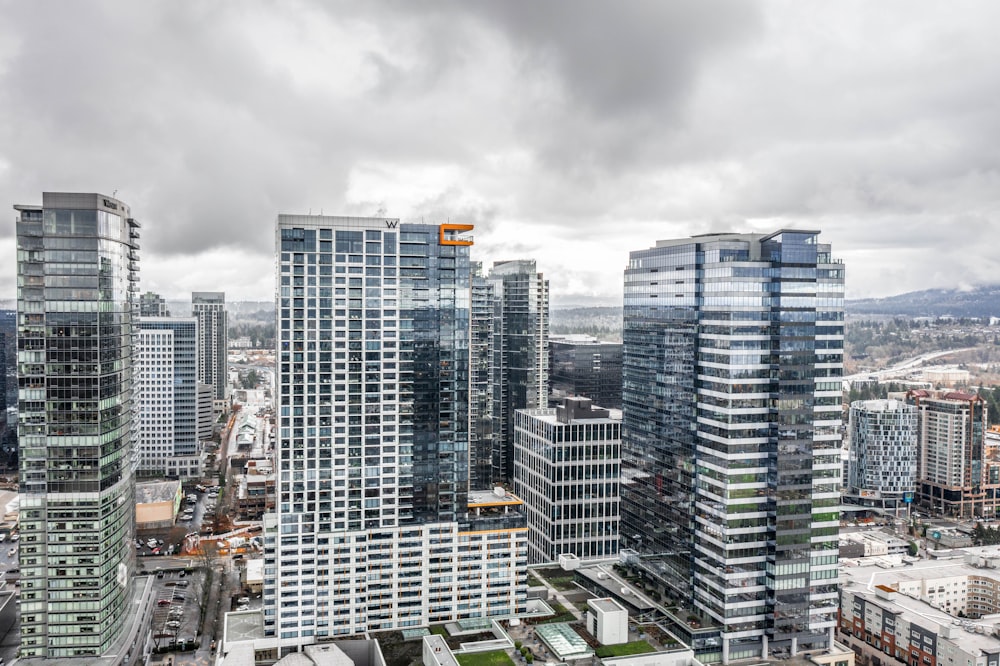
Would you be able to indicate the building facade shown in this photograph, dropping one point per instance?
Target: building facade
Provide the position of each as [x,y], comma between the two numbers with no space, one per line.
[883,456]
[731,462]
[520,352]
[585,366]
[153,305]
[77,268]
[209,308]
[206,415]
[167,375]
[481,374]
[375,526]
[567,470]
[950,466]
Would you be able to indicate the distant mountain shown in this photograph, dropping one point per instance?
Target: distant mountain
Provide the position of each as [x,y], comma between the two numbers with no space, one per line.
[983,302]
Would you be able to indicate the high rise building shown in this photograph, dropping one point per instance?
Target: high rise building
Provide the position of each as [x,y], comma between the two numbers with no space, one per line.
[950,463]
[567,470]
[77,270]
[206,415]
[883,455]
[152,305]
[582,365]
[209,308]
[520,351]
[481,324]
[732,359]
[376,527]
[167,375]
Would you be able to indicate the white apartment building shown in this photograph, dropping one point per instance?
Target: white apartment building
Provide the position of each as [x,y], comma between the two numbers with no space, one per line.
[376,527]
[169,410]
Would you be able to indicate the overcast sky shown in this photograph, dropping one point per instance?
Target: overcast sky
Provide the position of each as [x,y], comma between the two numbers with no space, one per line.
[568,132]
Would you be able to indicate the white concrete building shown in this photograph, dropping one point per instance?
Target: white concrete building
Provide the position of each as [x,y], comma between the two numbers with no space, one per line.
[607,621]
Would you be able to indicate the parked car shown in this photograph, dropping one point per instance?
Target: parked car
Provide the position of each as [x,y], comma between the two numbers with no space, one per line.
[164,602]
[173,624]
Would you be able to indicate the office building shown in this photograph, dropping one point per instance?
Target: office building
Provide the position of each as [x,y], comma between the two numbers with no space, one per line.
[731,452]
[152,305]
[209,308]
[584,366]
[567,470]
[883,454]
[520,351]
[167,374]
[77,268]
[950,466]
[376,527]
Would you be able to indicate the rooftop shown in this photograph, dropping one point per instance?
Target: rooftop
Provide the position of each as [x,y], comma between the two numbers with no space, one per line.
[871,577]
[563,640]
[156,491]
[482,498]
[607,605]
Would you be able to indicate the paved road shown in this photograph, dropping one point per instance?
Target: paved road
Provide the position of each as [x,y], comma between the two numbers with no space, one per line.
[904,366]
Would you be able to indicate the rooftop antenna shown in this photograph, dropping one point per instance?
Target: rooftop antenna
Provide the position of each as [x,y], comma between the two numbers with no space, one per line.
[114,194]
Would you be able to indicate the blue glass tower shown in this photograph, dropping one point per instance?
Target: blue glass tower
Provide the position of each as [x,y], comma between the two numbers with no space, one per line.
[732,358]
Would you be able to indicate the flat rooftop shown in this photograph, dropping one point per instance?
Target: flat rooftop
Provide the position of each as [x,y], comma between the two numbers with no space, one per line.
[606,605]
[150,492]
[490,498]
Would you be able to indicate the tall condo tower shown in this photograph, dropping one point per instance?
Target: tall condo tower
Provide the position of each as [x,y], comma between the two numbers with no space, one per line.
[732,359]
[481,325]
[209,308]
[520,352]
[951,428]
[77,270]
[376,527]
[167,374]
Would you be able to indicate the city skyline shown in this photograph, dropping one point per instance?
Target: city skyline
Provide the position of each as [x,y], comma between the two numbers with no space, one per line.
[568,137]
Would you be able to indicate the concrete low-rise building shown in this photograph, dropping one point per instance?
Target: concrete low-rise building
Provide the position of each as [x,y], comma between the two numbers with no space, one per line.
[157,504]
[607,621]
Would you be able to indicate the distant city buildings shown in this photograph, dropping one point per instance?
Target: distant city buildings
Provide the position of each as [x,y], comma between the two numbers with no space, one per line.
[78,271]
[169,411]
[152,305]
[209,308]
[883,454]
[376,527]
[567,470]
[582,365]
[520,352]
[731,451]
[950,466]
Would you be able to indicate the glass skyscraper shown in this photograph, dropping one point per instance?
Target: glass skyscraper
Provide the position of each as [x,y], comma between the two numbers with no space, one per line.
[732,365]
[376,527]
[520,352]
[77,271]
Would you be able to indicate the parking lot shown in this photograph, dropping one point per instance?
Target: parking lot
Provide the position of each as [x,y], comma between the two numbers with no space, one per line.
[177,614]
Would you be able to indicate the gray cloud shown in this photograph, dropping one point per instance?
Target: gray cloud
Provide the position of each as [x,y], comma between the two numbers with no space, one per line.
[568,132]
